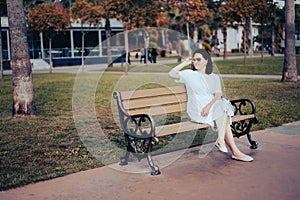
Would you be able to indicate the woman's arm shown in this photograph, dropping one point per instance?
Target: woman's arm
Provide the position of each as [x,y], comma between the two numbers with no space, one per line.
[206,109]
[174,73]
[215,87]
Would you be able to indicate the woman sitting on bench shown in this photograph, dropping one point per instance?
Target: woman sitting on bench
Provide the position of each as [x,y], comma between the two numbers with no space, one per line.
[205,102]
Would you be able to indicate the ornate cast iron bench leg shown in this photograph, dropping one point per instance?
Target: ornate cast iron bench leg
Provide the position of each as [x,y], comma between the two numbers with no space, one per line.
[154,168]
[243,128]
[252,142]
[140,151]
[124,159]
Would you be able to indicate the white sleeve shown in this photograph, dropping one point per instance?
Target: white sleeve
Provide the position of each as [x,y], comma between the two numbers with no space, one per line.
[214,84]
[183,76]
[218,85]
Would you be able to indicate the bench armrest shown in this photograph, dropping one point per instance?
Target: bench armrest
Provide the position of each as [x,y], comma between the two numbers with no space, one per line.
[244,107]
[138,126]
[240,128]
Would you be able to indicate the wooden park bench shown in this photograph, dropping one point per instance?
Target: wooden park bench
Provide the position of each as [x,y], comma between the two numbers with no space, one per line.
[138,108]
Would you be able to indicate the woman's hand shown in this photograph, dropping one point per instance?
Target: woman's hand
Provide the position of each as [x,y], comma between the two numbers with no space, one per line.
[174,73]
[205,110]
[188,61]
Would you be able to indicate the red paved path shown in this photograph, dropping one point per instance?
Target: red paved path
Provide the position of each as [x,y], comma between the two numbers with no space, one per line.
[274,175]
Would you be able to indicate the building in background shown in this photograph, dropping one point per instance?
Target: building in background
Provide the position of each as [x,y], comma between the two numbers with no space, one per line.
[67,44]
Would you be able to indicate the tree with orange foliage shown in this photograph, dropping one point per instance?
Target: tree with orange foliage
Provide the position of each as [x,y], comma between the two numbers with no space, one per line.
[265,12]
[197,13]
[163,21]
[239,11]
[48,19]
[228,13]
[194,13]
[86,13]
[137,14]
[110,8]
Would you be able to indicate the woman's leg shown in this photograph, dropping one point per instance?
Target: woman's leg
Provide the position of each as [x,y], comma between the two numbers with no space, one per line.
[231,143]
[221,126]
[225,135]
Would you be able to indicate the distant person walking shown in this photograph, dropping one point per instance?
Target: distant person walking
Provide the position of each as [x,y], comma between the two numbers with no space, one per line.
[149,56]
[123,58]
[143,55]
[154,55]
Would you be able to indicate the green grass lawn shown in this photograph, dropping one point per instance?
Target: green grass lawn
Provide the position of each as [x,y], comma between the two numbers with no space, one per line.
[48,145]
[271,65]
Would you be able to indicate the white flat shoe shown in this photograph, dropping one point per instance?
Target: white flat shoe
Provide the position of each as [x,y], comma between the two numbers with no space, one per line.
[223,149]
[244,159]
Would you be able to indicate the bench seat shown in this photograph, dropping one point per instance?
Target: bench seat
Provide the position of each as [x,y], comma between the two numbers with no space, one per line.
[182,127]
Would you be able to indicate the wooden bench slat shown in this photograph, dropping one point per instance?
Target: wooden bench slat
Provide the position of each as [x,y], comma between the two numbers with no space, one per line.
[178,128]
[152,92]
[190,126]
[154,101]
[237,118]
[160,110]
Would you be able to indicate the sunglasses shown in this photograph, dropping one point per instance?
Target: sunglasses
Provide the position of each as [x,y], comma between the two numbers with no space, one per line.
[197,59]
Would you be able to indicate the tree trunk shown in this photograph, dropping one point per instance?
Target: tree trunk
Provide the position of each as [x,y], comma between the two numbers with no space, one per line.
[146,42]
[225,42]
[108,35]
[273,40]
[82,50]
[1,60]
[50,55]
[216,42]
[245,46]
[42,45]
[247,32]
[195,38]
[126,49]
[166,45]
[23,94]
[189,39]
[179,50]
[262,44]
[298,31]
[289,73]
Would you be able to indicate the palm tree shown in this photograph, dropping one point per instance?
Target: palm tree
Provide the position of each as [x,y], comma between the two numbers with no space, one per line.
[23,94]
[289,73]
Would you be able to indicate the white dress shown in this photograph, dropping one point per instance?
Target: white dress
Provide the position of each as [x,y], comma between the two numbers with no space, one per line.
[200,90]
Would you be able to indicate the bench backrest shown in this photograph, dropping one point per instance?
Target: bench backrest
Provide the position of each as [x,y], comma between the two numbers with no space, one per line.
[156,101]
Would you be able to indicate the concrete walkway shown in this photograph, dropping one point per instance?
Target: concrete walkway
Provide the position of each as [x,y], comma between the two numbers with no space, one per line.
[99,68]
[274,174]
